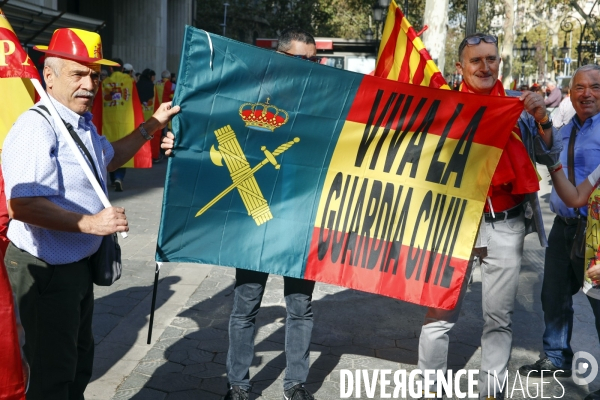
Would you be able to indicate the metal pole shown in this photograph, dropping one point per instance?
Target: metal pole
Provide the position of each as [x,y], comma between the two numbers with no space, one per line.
[224,24]
[406,8]
[158,265]
[570,46]
[472,16]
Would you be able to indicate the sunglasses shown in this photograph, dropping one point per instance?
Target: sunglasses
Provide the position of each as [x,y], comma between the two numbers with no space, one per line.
[313,58]
[475,40]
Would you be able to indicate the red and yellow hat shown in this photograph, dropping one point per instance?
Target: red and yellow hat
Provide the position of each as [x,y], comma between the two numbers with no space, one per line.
[76,44]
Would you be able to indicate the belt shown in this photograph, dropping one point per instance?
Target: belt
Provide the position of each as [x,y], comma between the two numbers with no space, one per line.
[503,215]
[569,220]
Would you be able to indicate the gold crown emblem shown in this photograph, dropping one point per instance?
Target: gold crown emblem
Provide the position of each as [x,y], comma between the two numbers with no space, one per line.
[263,116]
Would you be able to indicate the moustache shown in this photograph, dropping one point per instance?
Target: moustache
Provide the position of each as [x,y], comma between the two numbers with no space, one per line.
[83,93]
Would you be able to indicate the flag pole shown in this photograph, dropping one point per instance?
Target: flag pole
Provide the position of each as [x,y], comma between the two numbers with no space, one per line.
[73,146]
[158,265]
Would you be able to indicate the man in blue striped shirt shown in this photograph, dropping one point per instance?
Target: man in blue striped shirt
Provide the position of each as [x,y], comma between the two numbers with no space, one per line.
[58,221]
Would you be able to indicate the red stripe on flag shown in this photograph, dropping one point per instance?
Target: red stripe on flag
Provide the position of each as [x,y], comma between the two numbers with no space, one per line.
[388,54]
[404,75]
[372,274]
[501,109]
[391,56]
[419,73]
[143,157]
[437,80]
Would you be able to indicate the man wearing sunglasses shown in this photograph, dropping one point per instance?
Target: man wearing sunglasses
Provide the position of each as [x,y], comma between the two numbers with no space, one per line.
[511,212]
[250,287]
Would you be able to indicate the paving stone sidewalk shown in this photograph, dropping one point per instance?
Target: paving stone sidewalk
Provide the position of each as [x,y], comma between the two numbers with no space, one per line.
[352,330]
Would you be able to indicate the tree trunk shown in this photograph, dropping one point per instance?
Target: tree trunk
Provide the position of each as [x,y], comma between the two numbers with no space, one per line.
[509,40]
[434,38]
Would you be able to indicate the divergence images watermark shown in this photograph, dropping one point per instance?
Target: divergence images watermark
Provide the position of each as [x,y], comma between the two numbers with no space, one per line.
[427,383]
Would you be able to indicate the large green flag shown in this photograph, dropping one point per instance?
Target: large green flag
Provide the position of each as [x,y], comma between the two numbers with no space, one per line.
[286,166]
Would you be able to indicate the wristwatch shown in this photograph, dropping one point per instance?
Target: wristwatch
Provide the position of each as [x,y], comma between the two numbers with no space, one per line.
[144,132]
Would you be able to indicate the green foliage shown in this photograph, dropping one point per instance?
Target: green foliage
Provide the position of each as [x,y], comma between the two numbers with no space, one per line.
[486,11]
[249,19]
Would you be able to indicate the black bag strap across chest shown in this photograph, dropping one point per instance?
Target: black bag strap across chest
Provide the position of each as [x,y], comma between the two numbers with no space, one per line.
[76,138]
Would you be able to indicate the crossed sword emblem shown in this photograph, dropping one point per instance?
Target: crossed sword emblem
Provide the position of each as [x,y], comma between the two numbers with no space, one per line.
[241,173]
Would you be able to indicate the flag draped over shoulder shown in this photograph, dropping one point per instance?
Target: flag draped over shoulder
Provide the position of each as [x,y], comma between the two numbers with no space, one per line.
[118,111]
[294,168]
[402,55]
[16,68]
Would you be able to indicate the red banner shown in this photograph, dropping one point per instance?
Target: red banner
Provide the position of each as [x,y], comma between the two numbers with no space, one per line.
[14,61]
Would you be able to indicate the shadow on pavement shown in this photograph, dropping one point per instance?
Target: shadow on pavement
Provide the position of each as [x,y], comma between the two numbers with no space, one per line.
[117,326]
[352,330]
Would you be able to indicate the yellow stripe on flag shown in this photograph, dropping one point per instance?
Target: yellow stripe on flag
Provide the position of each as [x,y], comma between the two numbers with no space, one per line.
[480,167]
[400,41]
[21,94]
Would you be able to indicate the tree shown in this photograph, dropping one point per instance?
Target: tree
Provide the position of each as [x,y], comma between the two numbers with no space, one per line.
[508,42]
[434,38]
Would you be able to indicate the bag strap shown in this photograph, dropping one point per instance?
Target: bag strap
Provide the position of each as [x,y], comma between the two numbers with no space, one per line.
[76,138]
[570,159]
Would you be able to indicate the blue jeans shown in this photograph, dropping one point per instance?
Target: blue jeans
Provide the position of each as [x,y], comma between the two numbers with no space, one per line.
[562,279]
[118,173]
[249,290]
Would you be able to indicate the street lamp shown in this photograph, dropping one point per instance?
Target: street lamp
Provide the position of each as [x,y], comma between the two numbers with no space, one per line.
[525,52]
[224,24]
[565,50]
[379,11]
[566,25]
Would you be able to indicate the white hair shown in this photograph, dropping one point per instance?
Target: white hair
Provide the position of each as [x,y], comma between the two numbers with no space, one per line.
[166,74]
[55,63]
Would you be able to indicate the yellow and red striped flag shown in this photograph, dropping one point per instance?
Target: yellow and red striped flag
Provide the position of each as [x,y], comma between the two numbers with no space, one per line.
[15,69]
[16,91]
[402,55]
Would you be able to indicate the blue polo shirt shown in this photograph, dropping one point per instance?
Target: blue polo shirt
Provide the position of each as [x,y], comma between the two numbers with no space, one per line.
[586,158]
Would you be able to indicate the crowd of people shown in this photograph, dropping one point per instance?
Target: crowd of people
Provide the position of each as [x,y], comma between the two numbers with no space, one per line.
[58,222]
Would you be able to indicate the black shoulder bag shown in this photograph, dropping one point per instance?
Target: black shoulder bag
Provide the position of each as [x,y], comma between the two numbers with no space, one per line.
[106,262]
[578,249]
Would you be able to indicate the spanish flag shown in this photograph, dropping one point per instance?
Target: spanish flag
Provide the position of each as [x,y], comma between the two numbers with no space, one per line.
[16,90]
[16,68]
[118,111]
[402,55]
[289,167]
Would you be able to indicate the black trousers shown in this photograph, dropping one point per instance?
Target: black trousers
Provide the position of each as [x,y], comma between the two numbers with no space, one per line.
[56,303]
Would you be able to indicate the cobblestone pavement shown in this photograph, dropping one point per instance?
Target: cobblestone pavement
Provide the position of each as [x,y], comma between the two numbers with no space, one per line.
[353,330]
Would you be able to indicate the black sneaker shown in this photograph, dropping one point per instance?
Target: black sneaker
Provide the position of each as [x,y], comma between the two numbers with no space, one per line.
[297,392]
[236,393]
[543,364]
[118,185]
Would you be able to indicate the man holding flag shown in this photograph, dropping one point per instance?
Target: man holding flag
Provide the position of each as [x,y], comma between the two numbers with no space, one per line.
[512,202]
[512,197]
[58,221]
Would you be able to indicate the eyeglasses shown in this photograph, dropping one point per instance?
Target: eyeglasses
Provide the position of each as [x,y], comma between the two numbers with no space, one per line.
[475,40]
[313,58]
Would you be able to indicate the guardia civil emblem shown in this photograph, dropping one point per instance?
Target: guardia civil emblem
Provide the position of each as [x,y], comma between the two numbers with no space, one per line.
[258,116]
